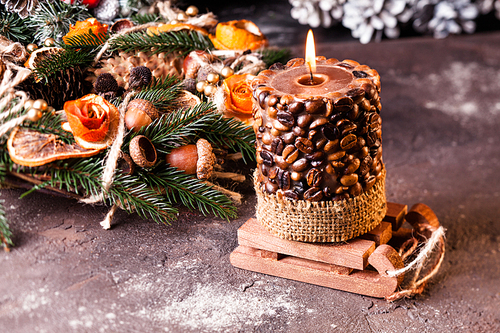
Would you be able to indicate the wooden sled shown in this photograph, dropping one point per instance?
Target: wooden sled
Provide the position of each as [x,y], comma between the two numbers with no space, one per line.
[358,265]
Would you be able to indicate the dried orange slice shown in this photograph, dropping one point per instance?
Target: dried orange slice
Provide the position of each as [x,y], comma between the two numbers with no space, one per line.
[238,35]
[175,27]
[31,148]
[41,54]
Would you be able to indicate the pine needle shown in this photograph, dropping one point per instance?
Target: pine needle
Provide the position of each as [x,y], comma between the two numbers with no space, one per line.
[50,66]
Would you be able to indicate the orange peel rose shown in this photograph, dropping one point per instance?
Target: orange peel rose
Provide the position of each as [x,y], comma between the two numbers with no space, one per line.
[238,35]
[83,27]
[92,120]
[239,97]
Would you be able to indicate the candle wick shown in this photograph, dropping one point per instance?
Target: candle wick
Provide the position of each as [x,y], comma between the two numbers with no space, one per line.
[311,72]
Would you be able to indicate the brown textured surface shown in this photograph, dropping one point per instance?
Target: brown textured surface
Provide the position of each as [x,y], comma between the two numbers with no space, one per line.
[441,147]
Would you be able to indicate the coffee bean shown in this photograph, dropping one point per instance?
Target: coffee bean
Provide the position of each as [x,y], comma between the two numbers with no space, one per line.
[336,155]
[349,180]
[312,134]
[369,182]
[300,165]
[286,99]
[315,106]
[316,156]
[359,74]
[348,141]
[296,176]
[364,152]
[378,168]
[264,170]
[331,145]
[277,146]
[281,162]
[300,132]
[296,107]
[275,132]
[356,94]
[374,122]
[329,169]
[290,154]
[314,177]
[281,107]
[320,143]
[304,120]
[337,164]
[371,139]
[272,112]
[318,122]
[316,164]
[286,118]
[262,99]
[304,145]
[258,122]
[280,126]
[288,137]
[345,65]
[329,108]
[267,158]
[272,100]
[327,191]
[330,132]
[352,167]
[343,104]
[338,189]
[291,194]
[348,158]
[267,138]
[365,165]
[369,90]
[346,126]
[271,188]
[262,129]
[353,113]
[284,180]
[364,104]
[299,188]
[356,189]
[273,172]
[313,194]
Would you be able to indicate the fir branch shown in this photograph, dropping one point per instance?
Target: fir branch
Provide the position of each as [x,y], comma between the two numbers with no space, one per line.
[60,61]
[13,27]
[85,42]
[189,191]
[271,56]
[5,233]
[51,124]
[139,19]
[169,42]
[52,19]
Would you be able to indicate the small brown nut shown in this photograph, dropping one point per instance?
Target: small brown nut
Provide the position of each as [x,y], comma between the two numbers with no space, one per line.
[142,151]
[140,112]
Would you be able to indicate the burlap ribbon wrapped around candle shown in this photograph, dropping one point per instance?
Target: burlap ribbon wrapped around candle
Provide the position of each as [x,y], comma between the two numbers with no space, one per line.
[323,221]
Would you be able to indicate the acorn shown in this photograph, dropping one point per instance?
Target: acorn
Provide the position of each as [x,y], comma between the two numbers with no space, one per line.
[194,159]
[140,112]
[142,151]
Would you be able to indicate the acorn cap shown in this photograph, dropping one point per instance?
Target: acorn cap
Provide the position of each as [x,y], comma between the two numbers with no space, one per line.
[142,151]
[206,159]
[145,106]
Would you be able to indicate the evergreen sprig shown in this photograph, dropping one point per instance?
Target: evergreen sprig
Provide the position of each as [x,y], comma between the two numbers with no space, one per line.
[168,42]
[140,19]
[5,233]
[189,191]
[60,61]
[272,55]
[85,42]
[52,19]
[13,27]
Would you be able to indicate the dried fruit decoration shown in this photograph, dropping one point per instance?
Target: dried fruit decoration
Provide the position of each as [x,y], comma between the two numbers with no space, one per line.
[84,27]
[92,120]
[238,35]
[238,96]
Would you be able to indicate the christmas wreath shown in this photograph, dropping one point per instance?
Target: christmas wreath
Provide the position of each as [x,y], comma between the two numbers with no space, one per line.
[128,104]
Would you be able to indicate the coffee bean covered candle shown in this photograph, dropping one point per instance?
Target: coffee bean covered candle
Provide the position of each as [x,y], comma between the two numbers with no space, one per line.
[320,174]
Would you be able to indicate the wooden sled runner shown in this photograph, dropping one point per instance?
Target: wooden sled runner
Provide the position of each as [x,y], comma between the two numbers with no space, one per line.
[358,265]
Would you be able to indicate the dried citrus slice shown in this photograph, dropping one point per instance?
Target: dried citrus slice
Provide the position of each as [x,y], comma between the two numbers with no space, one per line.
[175,27]
[41,54]
[31,148]
[238,35]
[185,100]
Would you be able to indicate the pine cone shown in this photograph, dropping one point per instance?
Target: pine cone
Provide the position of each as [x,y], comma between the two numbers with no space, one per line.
[65,86]
[160,64]
[22,7]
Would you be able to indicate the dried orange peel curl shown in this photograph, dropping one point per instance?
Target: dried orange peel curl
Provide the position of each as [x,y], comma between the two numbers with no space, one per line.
[175,27]
[84,27]
[92,120]
[238,35]
[238,101]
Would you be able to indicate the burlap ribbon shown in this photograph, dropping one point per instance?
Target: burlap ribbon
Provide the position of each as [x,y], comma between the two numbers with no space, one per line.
[324,221]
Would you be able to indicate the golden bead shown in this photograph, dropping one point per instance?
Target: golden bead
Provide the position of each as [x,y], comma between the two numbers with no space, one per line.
[200,85]
[34,114]
[213,77]
[173,22]
[40,104]
[31,47]
[28,104]
[49,42]
[209,89]
[181,16]
[192,11]
[227,72]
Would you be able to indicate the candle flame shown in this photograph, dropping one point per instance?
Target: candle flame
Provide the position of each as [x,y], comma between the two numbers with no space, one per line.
[310,52]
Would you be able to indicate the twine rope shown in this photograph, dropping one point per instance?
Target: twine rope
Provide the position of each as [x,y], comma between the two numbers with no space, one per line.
[8,94]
